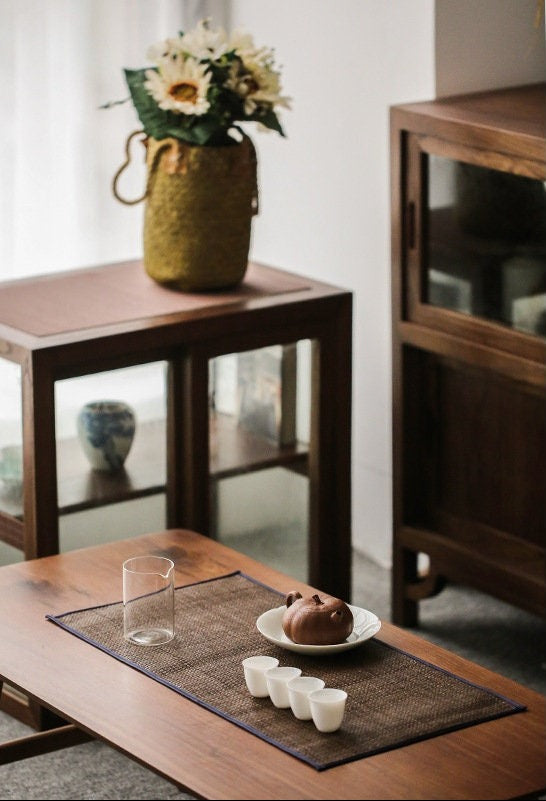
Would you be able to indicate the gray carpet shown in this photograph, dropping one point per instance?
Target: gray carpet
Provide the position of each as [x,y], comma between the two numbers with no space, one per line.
[476,626]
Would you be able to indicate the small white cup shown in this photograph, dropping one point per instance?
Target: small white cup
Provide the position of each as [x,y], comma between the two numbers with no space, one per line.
[327,708]
[255,668]
[277,679]
[298,693]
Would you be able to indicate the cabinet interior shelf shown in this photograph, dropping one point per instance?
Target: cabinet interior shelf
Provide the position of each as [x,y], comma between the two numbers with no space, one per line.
[233,451]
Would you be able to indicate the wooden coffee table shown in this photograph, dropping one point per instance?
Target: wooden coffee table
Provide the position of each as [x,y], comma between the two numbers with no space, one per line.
[197,749]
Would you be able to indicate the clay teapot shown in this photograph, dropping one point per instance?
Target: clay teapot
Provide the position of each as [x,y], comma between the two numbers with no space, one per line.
[315,620]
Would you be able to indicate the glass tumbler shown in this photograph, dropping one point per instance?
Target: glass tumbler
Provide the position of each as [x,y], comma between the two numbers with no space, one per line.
[148,600]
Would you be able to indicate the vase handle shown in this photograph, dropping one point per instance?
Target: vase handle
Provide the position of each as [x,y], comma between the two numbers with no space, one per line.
[126,163]
[151,171]
[122,169]
[124,166]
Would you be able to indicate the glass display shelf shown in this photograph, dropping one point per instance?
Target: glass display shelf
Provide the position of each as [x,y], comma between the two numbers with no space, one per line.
[234,451]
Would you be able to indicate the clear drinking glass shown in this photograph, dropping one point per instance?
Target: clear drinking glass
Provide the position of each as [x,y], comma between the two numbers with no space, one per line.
[148,600]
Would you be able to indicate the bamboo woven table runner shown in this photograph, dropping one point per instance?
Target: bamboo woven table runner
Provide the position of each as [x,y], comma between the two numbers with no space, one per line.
[393,698]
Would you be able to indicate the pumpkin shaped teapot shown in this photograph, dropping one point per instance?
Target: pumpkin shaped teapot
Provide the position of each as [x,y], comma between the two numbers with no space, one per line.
[316,620]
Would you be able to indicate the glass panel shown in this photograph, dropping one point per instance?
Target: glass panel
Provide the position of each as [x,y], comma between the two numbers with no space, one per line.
[119,521]
[140,471]
[11,439]
[260,404]
[486,244]
[257,388]
[265,515]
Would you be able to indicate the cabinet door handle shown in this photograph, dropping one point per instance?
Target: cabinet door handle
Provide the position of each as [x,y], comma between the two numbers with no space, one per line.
[410,225]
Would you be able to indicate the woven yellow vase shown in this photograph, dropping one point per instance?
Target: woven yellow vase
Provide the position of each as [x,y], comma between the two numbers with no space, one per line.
[198,213]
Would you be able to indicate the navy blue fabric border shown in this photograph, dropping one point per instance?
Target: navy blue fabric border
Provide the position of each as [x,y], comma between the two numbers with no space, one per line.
[514,705]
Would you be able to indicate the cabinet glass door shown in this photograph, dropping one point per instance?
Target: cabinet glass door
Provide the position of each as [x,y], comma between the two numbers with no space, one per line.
[484,247]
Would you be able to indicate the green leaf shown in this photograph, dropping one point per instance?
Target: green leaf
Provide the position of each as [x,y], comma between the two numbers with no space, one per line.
[112,103]
[154,120]
[269,119]
[207,130]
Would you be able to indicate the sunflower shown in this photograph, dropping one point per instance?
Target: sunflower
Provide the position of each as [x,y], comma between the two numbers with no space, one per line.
[180,85]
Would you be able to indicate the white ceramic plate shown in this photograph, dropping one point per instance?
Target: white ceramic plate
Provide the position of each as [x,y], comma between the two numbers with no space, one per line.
[366,624]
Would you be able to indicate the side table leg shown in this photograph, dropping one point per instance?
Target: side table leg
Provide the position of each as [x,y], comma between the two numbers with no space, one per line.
[40,505]
[40,510]
[188,443]
[330,547]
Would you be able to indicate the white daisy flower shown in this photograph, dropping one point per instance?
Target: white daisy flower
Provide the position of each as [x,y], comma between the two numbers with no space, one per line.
[157,51]
[167,49]
[204,43]
[242,42]
[180,86]
[257,84]
[246,50]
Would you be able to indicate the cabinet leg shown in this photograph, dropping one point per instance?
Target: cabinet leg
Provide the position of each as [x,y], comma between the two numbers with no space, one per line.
[409,586]
[405,610]
[427,585]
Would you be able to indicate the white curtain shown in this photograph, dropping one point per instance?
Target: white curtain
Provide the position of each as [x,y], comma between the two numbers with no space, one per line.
[60,60]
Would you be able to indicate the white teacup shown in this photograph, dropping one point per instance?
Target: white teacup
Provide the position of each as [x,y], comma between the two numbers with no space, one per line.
[327,708]
[277,679]
[298,693]
[255,668]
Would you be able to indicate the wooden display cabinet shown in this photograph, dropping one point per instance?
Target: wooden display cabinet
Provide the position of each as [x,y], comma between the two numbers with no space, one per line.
[469,318]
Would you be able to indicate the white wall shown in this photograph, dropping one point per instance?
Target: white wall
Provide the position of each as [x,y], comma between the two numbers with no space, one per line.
[485,44]
[325,189]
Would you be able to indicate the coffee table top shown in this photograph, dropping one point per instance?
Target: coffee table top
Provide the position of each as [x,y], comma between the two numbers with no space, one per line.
[198,749]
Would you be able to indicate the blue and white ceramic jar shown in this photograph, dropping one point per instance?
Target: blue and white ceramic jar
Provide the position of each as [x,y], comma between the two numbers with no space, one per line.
[106,430]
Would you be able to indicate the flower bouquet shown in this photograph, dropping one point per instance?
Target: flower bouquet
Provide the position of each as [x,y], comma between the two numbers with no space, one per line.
[203,83]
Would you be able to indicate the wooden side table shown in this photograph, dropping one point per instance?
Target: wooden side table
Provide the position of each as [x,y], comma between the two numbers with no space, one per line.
[86,321]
